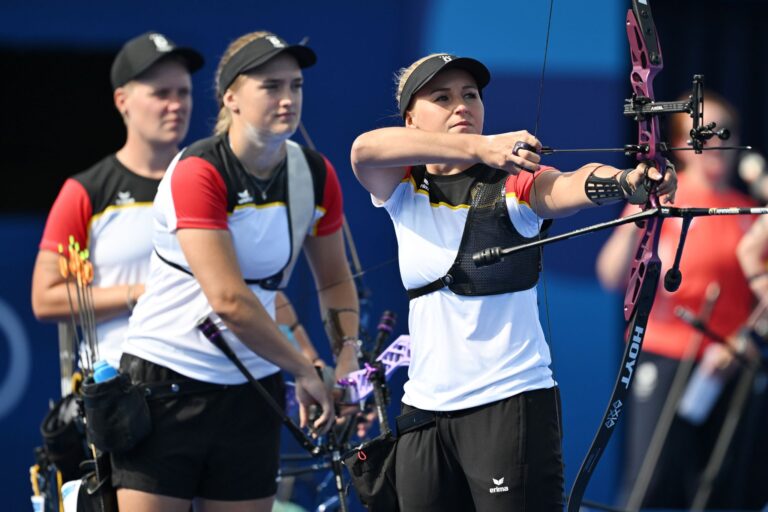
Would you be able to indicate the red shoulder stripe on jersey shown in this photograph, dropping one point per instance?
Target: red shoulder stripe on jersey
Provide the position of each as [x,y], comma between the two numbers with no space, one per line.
[70,215]
[199,195]
[522,184]
[333,203]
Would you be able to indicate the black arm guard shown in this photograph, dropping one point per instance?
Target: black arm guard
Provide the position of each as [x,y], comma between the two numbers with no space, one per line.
[603,190]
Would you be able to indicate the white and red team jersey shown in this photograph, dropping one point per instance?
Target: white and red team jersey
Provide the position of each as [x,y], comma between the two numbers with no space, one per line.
[466,351]
[108,210]
[206,188]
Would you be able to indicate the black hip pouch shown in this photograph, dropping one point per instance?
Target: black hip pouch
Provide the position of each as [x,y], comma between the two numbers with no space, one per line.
[64,437]
[372,465]
[116,412]
[372,469]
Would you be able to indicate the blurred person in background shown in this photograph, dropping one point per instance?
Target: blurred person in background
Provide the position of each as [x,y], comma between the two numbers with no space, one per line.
[704,180]
[108,208]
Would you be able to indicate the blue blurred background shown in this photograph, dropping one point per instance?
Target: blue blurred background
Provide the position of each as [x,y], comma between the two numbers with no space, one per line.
[57,118]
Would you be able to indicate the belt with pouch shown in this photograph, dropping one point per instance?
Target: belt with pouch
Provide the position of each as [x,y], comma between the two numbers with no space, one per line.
[413,420]
[174,388]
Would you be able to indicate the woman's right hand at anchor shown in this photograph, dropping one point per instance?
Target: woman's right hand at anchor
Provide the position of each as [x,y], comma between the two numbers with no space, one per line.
[498,151]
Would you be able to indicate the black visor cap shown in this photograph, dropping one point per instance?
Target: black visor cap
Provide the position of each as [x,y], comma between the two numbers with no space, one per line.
[427,70]
[258,52]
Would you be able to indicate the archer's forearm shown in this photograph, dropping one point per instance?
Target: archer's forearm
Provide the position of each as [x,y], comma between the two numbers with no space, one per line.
[340,310]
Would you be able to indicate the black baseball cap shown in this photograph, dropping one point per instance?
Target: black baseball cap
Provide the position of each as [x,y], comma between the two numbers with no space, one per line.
[142,52]
[427,70]
[258,52]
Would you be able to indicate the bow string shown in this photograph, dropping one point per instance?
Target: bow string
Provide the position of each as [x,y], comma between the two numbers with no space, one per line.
[363,292]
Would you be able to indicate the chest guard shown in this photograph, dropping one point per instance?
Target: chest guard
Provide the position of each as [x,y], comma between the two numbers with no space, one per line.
[488,225]
[301,207]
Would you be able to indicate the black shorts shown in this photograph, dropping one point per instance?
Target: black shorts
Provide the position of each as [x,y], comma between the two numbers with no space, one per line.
[218,445]
[504,456]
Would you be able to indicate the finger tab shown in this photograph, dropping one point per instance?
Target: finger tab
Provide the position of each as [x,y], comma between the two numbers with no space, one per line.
[519,145]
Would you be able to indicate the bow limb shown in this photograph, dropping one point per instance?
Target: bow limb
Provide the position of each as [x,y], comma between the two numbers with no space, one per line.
[645,271]
[645,53]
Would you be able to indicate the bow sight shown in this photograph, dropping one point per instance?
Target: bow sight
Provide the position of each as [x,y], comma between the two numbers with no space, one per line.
[642,108]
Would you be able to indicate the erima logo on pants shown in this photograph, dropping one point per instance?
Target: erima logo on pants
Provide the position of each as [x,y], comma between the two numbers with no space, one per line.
[499,486]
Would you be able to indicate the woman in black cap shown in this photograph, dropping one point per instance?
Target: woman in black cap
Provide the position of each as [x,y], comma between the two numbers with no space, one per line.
[107,208]
[481,411]
[232,214]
